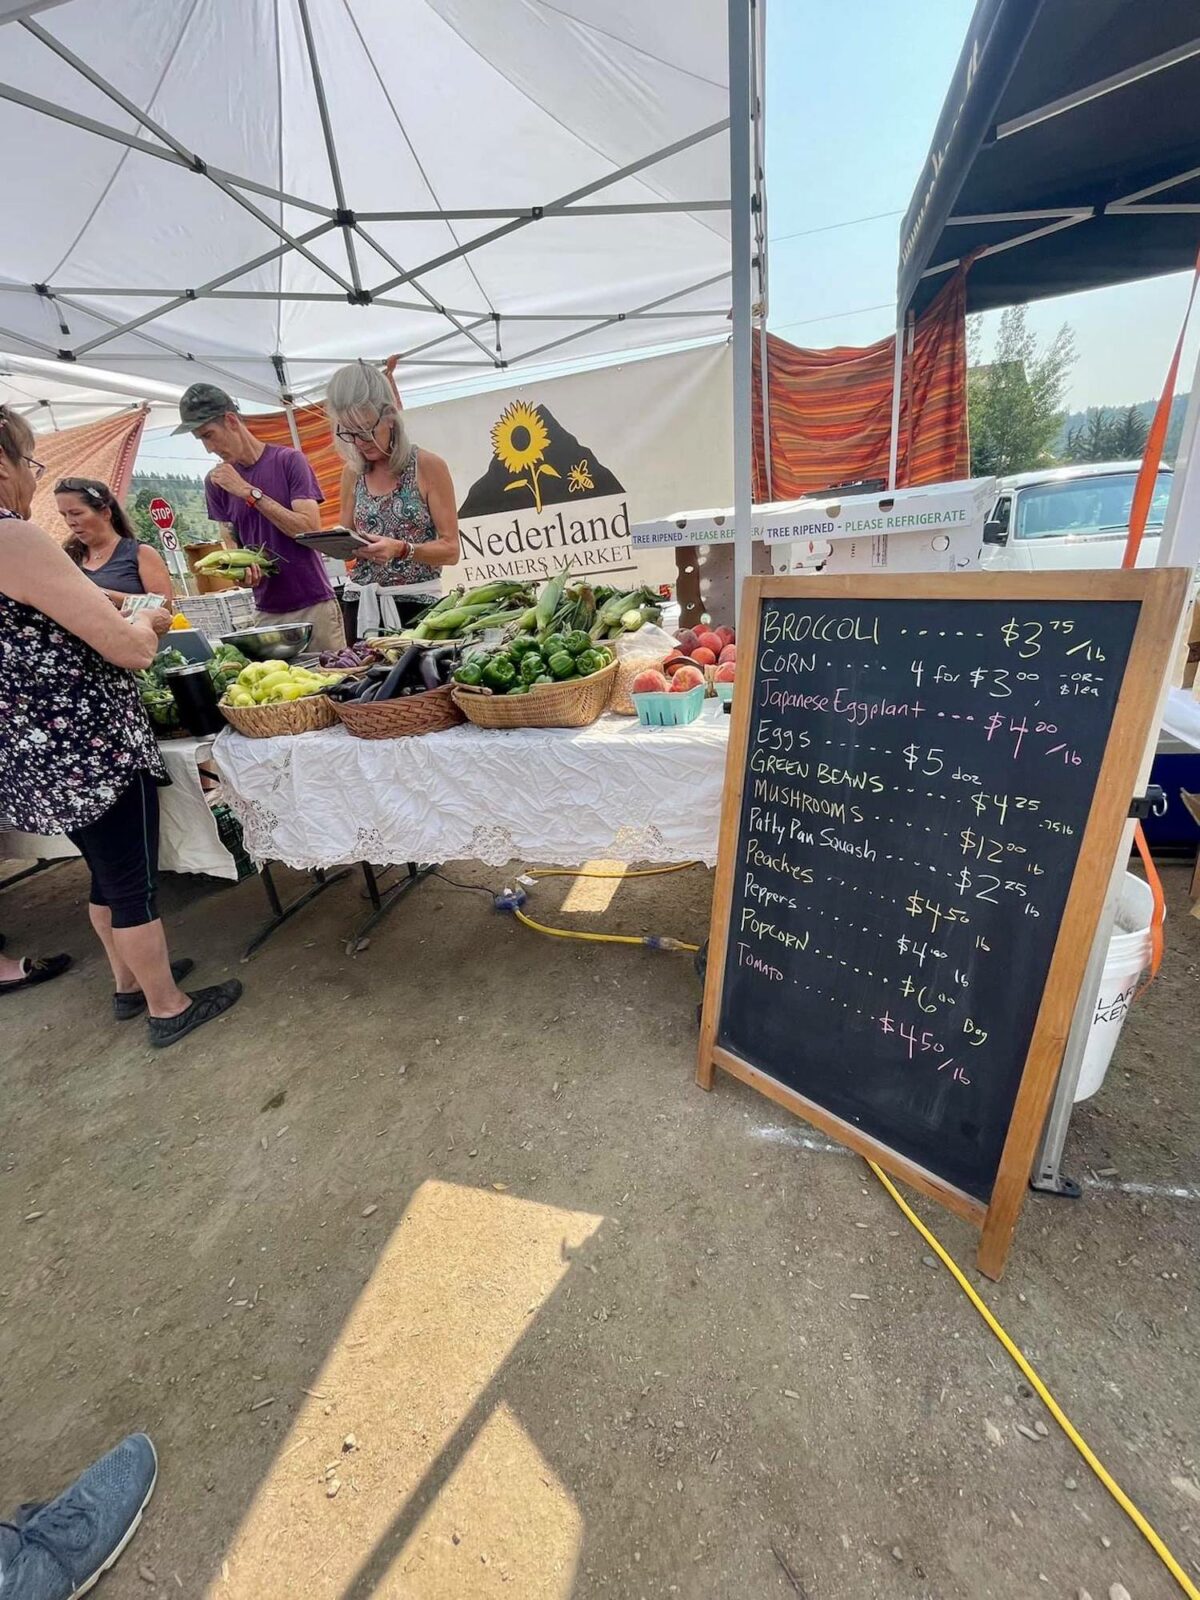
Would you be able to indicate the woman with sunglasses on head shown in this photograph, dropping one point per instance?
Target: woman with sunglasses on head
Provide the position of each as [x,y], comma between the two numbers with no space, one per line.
[103,545]
[399,498]
[77,753]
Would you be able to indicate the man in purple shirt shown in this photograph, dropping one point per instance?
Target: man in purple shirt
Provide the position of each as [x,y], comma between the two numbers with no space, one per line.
[264,495]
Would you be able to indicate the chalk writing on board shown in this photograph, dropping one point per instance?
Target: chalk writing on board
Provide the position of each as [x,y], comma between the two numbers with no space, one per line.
[917,781]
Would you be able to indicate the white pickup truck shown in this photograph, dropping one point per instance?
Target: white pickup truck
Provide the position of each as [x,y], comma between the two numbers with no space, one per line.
[1070,517]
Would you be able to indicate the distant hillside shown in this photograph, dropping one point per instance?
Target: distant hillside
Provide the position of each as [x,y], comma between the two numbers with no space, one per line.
[1077,419]
[186,496]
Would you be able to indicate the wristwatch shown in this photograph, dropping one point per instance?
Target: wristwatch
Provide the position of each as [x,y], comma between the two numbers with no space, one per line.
[254,497]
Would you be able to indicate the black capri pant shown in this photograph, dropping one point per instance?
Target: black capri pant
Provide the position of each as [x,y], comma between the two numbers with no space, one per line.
[121,850]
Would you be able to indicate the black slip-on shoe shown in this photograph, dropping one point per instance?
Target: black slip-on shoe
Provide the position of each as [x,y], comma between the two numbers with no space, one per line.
[130,1003]
[207,1005]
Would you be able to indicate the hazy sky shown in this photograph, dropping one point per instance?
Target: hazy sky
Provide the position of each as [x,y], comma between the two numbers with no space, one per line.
[854,88]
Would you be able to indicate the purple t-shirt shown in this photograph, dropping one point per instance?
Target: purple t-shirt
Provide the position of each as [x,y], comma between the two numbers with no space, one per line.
[285,475]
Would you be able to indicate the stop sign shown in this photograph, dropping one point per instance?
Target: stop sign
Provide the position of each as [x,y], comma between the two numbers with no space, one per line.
[162,513]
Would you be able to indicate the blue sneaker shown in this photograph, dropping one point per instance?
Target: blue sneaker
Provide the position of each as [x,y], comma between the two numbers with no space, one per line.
[60,1549]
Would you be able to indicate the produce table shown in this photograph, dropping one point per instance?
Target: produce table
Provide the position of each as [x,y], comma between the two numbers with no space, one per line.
[557,796]
[188,840]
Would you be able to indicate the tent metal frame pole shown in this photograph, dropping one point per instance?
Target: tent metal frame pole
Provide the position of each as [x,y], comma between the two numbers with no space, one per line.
[290,411]
[193,160]
[741,248]
[556,207]
[531,213]
[620,316]
[434,303]
[104,130]
[897,386]
[195,294]
[335,171]
[1094,91]
[1179,545]
[758,89]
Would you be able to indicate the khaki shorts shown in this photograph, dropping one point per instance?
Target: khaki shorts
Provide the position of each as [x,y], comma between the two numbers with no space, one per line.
[328,632]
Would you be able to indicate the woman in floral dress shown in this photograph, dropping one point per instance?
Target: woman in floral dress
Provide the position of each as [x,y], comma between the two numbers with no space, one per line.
[77,753]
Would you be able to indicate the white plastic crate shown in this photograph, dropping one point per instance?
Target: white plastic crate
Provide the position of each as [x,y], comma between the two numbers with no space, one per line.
[217,614]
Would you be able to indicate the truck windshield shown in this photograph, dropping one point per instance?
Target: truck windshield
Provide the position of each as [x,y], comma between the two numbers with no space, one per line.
[1086,505]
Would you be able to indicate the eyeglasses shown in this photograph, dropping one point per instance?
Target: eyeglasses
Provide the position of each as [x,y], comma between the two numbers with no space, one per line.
[351,435]
[35,466]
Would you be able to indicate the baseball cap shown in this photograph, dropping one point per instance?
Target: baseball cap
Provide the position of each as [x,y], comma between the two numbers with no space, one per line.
[201,403]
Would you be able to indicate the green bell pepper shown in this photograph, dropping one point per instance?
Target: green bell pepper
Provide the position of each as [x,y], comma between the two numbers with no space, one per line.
[521,646]
[577,641]
[552,645]
[538,682]
[561,665]
[499,674]
[470,673]
[589,661]
[532,666]
[518,688]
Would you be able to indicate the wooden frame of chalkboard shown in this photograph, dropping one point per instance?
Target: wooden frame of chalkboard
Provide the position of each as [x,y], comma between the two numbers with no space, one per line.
[1140,611]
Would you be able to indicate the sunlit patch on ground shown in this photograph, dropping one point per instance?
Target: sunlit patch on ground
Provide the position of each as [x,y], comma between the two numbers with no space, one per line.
[459,1282]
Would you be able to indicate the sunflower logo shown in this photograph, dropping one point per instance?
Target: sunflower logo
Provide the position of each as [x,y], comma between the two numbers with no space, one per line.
[520,441]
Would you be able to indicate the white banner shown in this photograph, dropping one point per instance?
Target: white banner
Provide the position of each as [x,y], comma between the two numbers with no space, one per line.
[558,470]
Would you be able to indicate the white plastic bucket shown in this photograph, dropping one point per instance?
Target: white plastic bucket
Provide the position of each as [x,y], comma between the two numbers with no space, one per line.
[1126,962]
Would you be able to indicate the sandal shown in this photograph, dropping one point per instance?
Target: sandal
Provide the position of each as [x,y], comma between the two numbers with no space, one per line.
[39,969]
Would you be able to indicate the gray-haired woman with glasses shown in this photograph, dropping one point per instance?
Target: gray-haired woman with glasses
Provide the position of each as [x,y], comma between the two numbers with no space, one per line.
[398,498]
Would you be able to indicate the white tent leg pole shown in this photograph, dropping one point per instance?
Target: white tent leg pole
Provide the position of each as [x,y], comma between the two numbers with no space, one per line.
[1180,542]
[897,381]
[291,419]
[740,181]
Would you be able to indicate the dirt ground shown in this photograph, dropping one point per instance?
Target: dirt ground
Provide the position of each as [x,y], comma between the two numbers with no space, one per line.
[448,1226]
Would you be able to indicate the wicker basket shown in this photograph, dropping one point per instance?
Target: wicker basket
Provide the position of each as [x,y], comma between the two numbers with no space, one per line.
[305,715]
[430,712]
[573,704]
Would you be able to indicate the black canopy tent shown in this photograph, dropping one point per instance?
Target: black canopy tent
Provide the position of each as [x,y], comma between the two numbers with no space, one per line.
[1066,156]
[1067,153]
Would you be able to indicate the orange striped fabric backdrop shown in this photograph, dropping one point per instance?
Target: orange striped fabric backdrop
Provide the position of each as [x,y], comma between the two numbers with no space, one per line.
[316,440]
[831,410]
[103,450]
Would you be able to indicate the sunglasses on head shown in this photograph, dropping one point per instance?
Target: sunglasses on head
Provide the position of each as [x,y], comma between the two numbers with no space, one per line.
[95,494]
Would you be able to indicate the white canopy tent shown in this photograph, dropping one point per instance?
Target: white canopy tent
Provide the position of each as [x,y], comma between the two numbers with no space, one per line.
[255,193]
[51,397]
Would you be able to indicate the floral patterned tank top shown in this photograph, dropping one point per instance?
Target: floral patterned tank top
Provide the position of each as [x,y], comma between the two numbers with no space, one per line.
[74,732]
[401,513]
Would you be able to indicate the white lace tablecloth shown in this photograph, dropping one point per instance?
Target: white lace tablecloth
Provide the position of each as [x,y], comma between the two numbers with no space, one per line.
[555,796]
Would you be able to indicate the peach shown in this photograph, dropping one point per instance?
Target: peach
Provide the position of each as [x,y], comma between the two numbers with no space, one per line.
[725,672]
[687,640]
[650,682]
[711,641]
[727,634]
[673,663]
[728,655]
[703,656]
[686,678]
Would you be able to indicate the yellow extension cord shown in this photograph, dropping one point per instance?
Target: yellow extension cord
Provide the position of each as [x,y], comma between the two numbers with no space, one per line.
[1126,1504]
[654,942]
[1153,1539]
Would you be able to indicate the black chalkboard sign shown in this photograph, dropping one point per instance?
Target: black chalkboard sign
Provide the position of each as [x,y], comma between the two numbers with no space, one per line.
[913,774]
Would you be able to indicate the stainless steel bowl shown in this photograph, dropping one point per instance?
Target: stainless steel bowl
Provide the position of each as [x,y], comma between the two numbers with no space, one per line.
[281,643]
